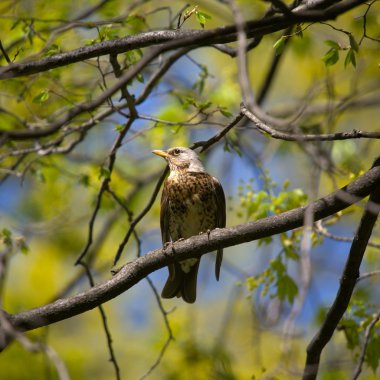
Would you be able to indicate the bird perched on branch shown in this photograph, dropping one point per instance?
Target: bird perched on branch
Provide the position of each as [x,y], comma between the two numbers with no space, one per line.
[192,202]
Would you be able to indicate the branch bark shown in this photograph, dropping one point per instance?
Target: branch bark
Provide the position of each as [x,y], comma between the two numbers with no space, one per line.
[347,285]
[179,38]
[134,271]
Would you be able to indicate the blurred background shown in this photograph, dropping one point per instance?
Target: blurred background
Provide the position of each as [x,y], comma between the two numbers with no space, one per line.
[272,296]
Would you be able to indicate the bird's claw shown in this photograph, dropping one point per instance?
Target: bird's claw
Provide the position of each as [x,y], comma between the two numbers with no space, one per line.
[208,232]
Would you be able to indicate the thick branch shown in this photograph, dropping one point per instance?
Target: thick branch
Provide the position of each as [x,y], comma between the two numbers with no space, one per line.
[179,38]
[130,274]
[347,285]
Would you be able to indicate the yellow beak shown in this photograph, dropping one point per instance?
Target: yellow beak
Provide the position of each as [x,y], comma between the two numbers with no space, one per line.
[161,153]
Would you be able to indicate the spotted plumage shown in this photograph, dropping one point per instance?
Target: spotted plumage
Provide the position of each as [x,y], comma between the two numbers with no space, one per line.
[192,202]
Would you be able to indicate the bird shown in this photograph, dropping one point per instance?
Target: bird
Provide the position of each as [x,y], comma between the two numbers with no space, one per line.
[192,202]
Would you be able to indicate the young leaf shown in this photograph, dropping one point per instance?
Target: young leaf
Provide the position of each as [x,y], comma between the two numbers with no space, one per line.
[287,289]
[104,173]
[373,352]
[333,44]
[331,57]
[41,97]
[350,58]
[279,45]
[225,112]
[354,45]
[299,31]
[202,17]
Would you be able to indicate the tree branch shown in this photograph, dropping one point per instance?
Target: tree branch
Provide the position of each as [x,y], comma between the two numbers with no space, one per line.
[355,134]
[190,38]
[180,38]
[133,272]
[347,284]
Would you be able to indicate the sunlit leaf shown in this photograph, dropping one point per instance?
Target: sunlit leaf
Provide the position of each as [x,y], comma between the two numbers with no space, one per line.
[202,18]
[279,45]
[42,97]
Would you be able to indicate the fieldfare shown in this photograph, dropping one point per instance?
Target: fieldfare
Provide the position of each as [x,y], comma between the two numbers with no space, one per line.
[192,202]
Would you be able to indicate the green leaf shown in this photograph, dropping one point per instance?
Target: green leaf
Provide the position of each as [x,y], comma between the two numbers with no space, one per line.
[372,357]
[331,57]
[287,289]
[42,97]
[84,180]
[279,45]
[299,31]
[53,49]
[6,236]
[104,173]
[21,244]
[140,78]
[333,44]
[224,112]
[119,127]
[350,58]
[351,332]
[202,18]
[354,45]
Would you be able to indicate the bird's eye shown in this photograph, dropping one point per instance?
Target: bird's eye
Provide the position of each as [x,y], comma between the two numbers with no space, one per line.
[176,152]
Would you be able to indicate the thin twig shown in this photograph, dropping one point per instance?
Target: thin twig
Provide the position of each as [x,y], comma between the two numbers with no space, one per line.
[107,331]
[168,328]
[320,229]
[355,134]
[367,336]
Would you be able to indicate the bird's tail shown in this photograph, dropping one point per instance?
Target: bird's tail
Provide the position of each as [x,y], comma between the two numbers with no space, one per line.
[218,263]
[181,284]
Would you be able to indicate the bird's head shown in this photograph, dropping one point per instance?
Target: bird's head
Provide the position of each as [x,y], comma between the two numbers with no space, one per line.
[181,158]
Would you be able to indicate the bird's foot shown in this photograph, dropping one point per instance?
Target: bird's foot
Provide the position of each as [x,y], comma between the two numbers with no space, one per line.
[208,232]
[166,246]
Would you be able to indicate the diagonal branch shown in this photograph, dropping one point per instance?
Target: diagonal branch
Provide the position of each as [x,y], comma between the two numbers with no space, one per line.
[133,272]
[347,285]
[179,38]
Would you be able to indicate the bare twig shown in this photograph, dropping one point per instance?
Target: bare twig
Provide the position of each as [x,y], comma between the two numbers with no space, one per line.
[8,333]
[244,78]
[369,274]
[107,331]
[104,185]
[5,54]
[168,328]
[367,336]
[319,228]
[307,137]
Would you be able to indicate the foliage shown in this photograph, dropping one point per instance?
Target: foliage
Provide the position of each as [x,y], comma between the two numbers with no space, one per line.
[114,80]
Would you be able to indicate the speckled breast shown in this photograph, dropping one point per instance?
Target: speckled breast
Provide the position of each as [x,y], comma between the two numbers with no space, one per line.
[192,205]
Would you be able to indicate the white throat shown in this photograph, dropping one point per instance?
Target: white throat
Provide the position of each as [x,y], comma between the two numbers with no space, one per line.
[196,166]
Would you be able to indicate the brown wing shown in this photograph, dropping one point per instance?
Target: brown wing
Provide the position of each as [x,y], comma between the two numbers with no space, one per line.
[220,220]
[164,214]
